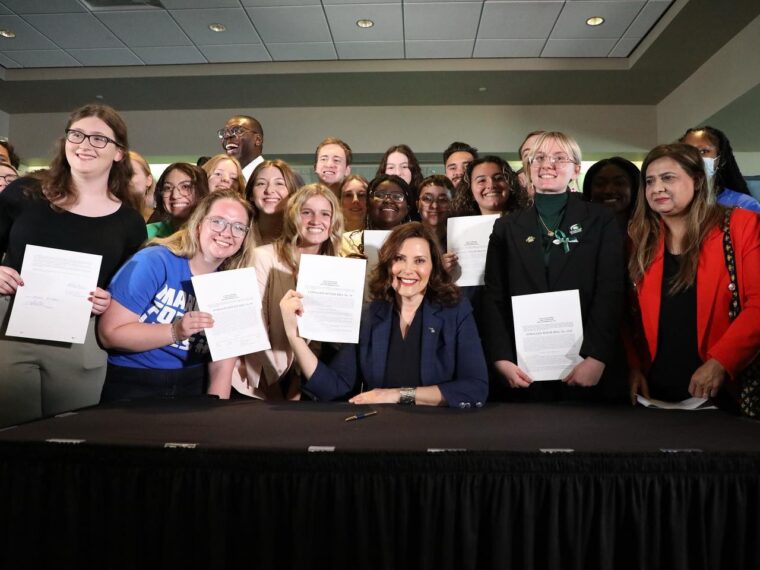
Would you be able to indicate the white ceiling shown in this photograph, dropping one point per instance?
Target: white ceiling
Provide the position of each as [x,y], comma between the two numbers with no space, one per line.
[67,33]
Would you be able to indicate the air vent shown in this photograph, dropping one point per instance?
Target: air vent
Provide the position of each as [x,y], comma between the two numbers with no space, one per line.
[114,5]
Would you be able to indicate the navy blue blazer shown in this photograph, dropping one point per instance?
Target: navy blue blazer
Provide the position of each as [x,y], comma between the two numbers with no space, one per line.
[452,356]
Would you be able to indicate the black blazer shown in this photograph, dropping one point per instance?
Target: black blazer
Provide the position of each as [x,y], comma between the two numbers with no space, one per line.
[595,266]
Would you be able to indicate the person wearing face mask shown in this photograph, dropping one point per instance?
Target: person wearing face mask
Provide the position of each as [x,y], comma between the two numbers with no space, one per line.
[728,185]
[560,243]
[418,343]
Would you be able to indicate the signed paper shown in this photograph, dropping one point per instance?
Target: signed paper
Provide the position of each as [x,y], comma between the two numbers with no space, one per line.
[468,238]
[332,289]
[53,303]
[690,404]
[232,298]
[548,333]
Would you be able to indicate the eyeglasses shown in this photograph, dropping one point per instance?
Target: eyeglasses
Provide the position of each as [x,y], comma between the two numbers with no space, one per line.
[9,178]
[233,132]
[218,225]
[183,188]
[442,200]
[96,141]
[397,197]
[554,159]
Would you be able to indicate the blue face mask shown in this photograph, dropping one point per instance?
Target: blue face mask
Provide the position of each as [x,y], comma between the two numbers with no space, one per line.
[710,165]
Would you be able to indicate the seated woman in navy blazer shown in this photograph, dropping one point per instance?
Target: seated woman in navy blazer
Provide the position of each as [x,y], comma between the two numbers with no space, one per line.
[418,343]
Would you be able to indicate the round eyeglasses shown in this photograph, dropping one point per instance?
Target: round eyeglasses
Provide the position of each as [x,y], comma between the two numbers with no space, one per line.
[96,141]
[218,225]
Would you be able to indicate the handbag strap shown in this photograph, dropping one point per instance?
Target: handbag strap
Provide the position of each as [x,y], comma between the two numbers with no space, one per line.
[734,306]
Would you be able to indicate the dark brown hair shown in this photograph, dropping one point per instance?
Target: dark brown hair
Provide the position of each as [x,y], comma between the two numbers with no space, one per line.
[414,166]
[464,204]
[440,287]
[197,177]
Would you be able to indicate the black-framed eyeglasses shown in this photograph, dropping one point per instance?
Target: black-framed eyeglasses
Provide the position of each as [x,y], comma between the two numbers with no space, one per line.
[218,225]
[442,200]
[397,197]
[184,188]
[233,132]
[9,178]
[96,141]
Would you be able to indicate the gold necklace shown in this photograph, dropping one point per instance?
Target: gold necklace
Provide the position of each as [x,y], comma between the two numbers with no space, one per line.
[549,232]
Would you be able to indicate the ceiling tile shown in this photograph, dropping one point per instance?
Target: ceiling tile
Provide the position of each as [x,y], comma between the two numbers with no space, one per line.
[508,48]
[234,53]
[370,50]
[143,28]
[646,19]
[343,2]
[169,55]
[388,20]
[7,62]
[434,21]
[302,51]
[290,24]
[571,23]
[192,4]
[517,20]
[103,57]
[45,58]
[262,3]
[195,24]
[439,49]
[624,47]
[74,30]
[44,6]
[26,36]
[578,48]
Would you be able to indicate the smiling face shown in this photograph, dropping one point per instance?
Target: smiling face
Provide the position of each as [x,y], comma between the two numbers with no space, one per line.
[353,202]
[611,187]
[246,145]
[223,177]
[6,171]
[552,168]
[411,269]
[86,160]
[315,222]
[178,194]
[489,187]
[398,164]
[218,246]
[270,191]
[456,165]
[433,205]
[331,167]
[386,210]
[669,188]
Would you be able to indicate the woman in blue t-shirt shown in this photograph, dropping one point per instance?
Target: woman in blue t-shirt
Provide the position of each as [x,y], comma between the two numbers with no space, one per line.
[151,329]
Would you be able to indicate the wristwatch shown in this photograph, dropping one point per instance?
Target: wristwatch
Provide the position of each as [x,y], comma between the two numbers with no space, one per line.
[408,396]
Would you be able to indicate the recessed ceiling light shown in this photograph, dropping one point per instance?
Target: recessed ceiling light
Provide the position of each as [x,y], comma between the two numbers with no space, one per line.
[10,34]
[595,21]
[99,97]
[217,27]
[365,23]
[482,89]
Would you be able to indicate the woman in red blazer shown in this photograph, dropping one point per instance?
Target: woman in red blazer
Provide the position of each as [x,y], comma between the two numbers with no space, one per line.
[679,273]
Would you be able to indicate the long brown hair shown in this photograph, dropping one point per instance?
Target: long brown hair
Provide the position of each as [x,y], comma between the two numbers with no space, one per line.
[440,288]
[57,184]
[197,177]
[292,182]
[647,230]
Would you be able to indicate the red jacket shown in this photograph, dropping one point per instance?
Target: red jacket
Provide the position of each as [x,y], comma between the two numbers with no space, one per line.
[733,344]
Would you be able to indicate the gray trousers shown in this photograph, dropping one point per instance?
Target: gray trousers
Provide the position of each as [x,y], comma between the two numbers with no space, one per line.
[42,378]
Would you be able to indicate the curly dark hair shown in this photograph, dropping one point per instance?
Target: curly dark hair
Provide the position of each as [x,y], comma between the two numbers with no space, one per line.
[374,183]
[727,173]
[441,289]
[464,203]
[197,177]
[12,156]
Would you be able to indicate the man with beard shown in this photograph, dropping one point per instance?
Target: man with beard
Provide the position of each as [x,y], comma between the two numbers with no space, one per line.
[332,163]
[455,160]
[243,138]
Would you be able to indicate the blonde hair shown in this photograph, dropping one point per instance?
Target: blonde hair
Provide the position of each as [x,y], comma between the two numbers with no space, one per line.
[566,143]
[286,246]
[210,165]
[186,242]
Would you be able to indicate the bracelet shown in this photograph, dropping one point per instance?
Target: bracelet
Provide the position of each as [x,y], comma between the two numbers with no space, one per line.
[175,336]
[408,396]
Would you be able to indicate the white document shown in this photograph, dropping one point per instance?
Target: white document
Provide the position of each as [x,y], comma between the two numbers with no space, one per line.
[687,404]
[233,299]
[468,238]
[332,289]
[548,333]
[373,241]
[53,303]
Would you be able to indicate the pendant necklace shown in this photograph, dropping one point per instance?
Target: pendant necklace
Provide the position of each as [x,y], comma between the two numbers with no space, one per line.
[549,232]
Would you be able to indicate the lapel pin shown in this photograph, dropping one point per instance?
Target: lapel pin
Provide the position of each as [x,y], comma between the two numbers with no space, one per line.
[575,229]
[530,239]
[431,329]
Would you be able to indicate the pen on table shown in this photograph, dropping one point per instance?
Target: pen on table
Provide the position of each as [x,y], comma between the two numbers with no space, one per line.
[360,416]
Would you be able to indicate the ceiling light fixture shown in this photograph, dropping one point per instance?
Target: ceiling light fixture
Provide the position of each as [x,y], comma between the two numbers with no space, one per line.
[217,27]
[595,21]
[10,34]
[365,23]
[482,89]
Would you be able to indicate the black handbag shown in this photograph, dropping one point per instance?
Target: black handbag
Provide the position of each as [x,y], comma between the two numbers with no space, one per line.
[748,380]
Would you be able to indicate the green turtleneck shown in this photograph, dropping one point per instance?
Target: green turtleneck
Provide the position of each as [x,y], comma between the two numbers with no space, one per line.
[551,209]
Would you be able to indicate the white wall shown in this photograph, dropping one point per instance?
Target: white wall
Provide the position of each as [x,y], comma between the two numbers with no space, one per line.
[4,124]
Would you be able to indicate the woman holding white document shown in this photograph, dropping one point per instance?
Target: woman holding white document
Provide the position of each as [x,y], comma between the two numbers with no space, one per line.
[83,203]
[312,224]
[152,327]
[559,243]
[418,343]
